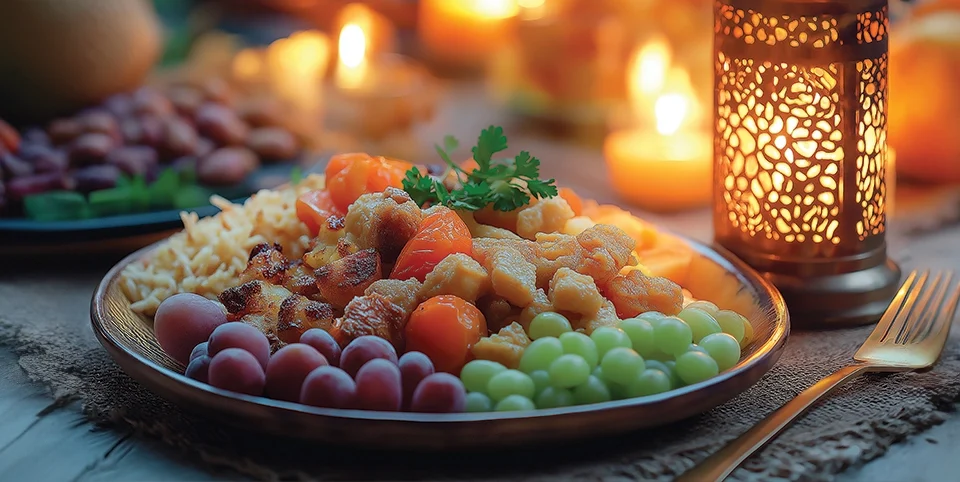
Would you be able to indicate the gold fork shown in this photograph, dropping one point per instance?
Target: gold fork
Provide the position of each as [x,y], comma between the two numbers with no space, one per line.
[910,336]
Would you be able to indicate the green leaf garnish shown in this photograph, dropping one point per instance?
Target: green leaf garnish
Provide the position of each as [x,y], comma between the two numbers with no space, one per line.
[296,175]
[507,184]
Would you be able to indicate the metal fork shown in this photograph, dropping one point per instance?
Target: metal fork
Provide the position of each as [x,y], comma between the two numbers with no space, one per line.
[910,336]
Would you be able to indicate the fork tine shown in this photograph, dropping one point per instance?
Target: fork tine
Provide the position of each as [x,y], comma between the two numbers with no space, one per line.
[883,327]
[919,331]
[899,320]
[949,312]
[925,309]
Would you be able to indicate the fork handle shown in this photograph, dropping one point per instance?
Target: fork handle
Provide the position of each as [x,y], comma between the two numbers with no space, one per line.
[719,465]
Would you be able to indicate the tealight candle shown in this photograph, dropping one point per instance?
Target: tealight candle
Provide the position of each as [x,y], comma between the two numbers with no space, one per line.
[664,170]
[668,168]
[464,33]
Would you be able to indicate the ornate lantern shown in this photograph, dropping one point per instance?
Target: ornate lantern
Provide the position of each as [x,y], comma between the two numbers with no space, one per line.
[800,151]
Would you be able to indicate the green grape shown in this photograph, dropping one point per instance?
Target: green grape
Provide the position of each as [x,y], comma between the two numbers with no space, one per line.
[514,403]
[569,371]
[579,344]
[723,348]
[618,391]
[704,305]
[549,324]
[476,374]
[593,391]
[510,382]
[696,347]
[607,337]
[640,332]
[650,382]
[478,402]
[694,367]
[540,354]
[598,372]
[553,397]
[621,365]
[731,323]
[541,380]
[656,365]
[700,322]
[672,335]
[675,380]
[652,317]
[660,356]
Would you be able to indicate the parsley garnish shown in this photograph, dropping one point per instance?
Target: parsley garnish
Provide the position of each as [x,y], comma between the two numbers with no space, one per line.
[506,184]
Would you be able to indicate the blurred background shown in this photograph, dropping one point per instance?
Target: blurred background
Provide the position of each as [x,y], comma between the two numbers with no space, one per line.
[118,105]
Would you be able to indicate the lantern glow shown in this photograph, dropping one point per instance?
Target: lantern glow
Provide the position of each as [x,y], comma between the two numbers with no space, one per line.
[800,151]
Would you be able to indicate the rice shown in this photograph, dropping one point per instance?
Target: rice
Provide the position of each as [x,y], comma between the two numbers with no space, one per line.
[208,256]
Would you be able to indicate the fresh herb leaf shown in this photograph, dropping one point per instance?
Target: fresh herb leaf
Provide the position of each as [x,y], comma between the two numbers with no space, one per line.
[507,184]
[296,175]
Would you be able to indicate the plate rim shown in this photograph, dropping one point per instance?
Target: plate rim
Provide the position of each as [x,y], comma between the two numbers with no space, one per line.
[139,367]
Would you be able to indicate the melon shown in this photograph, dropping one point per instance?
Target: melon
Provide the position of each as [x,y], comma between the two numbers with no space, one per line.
[59,55]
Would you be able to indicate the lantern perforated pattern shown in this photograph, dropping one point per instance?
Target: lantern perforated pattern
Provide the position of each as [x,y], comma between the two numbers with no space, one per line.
[801,126]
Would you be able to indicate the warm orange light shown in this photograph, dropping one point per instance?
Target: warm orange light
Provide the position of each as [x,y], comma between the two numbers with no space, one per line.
[493,8]
[648,69]
[670,111]
[247,65]
[352,49]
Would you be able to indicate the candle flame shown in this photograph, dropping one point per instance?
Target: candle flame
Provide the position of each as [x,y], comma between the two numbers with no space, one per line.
[494,8]
[352,46]
[648,68]
[670,110]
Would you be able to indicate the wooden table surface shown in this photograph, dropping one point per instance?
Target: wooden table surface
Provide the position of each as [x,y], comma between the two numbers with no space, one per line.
[42,441]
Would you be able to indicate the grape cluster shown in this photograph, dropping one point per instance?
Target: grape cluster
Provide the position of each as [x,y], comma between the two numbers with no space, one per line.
[646,355]
[367,374]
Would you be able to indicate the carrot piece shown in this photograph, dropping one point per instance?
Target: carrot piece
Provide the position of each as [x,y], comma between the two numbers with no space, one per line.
[440,234]
[314,208]
[350,176]
[445,328]
[576,204]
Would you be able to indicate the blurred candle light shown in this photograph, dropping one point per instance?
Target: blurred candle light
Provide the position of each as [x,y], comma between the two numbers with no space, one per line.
[465,33]
[353,66]
[667,167]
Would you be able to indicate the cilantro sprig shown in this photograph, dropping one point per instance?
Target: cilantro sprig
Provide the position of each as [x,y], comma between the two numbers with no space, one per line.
[506,184]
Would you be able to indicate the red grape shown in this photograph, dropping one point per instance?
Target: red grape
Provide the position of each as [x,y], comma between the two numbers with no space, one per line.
[439,393]
[199,350]
[324,343]
[414,366]
[243,336]
[185,320]
[364,349]
[287,369]
[199,368]
[237,370]
[378,386]
[329,387]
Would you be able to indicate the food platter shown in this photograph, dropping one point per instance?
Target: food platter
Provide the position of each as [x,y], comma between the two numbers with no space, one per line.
[713,275]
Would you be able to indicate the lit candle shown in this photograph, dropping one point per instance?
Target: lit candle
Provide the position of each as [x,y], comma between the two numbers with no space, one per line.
[465,33]
[668,168]
[296,66]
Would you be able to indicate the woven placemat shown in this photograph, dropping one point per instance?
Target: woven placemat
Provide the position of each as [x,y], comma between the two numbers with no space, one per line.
[43,318]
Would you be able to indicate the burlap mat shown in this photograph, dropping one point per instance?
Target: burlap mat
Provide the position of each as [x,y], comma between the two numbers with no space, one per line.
[44,319]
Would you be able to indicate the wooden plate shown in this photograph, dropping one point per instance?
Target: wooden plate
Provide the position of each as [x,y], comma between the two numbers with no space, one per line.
[713,275]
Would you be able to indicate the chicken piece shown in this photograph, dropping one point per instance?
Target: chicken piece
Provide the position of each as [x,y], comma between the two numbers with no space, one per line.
[485,248]
[644,233]
[256,303]
[512,277]
[267,263]
[402,293]
[383,221]
[458,275]
[478,230]
[497,311]
[346,278]
[600,251]
[541,304]
[299,279]
[605,316]
[329,244]
[636,293]
[298,314]
[547,216]
[505,347]
[577,225]
[572,291]
[371,314]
